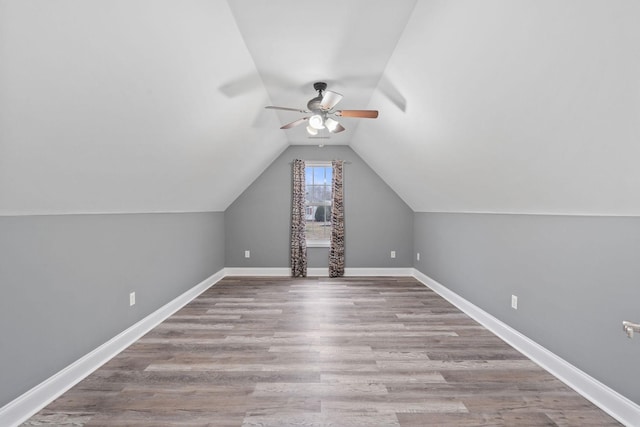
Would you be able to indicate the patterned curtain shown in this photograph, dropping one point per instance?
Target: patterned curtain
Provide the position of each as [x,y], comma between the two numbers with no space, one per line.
[336,250]
[298,222]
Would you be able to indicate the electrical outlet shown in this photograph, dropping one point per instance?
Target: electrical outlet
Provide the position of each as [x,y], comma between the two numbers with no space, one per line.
[247,254]
[132,298]
[514,302]
[393,254]
[418,256]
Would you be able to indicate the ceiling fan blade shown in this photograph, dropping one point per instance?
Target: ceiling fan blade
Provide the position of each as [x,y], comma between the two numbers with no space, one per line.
[271,107]
[330,99]
[296,123]
[338,128]
[367,114]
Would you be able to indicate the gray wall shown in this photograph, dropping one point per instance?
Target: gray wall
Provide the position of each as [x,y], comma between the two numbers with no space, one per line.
[377,221]
[65,282]
[576,278]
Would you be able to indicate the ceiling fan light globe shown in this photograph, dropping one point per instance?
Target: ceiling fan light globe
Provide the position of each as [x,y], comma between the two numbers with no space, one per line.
[331,124]
[316,122]
[330,99]
[312,131]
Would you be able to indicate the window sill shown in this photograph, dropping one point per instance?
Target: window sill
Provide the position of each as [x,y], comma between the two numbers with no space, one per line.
[318,244]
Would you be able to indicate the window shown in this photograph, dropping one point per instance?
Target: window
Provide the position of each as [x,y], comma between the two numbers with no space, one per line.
[318,203]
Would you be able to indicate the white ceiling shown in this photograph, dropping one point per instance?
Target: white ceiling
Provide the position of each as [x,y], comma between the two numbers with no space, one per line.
[528,106]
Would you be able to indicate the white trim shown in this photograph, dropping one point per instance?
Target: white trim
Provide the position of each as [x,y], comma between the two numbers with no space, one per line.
[257,271]
[317,271]
[389,272]
[25,406]
[607,399]
[318,244]
[317,163]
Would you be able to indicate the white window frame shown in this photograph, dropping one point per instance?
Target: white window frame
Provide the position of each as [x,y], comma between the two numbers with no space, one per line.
[324,243]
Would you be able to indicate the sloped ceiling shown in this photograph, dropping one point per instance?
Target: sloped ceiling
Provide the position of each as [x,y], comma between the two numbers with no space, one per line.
[527,106]
[116,106]
[513,106]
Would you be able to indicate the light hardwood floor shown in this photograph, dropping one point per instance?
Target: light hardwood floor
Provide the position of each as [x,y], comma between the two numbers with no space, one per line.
[320,352]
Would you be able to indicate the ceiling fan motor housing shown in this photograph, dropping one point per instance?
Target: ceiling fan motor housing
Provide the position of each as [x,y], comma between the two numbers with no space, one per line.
[314,103]
[320,86]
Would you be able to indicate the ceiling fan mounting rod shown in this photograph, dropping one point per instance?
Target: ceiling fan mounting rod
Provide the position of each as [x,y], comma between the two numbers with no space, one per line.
[320,87]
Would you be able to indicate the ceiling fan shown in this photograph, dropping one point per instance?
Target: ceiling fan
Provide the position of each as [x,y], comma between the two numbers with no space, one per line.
[320,108]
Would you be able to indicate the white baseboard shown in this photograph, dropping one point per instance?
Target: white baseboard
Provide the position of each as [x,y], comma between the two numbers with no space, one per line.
[316,272]
[272,272]
[610,401]
[25,406]
[258,271]
[388,272]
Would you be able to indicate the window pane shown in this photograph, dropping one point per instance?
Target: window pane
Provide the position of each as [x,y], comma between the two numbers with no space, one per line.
[312,194]
[318,210]
[326,194]
[318,175]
